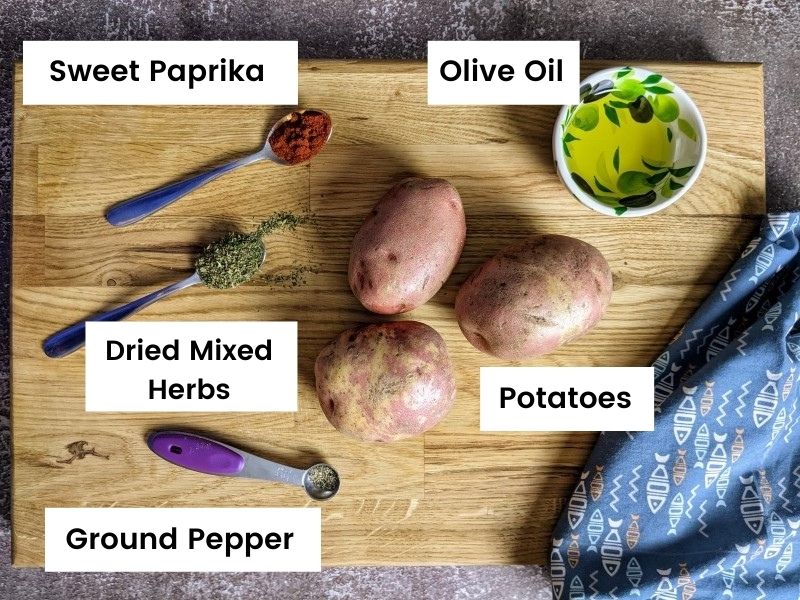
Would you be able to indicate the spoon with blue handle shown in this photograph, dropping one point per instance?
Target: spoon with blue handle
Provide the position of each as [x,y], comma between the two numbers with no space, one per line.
[71,338]
[198,453]
[135,209]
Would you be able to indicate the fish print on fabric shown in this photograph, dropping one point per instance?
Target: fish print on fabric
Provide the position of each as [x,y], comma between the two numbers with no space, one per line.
[771,316]
[574,551]
[595,529]
[788,385]
[596,487]
[661,364]
[634,574]
[632,534]
[578,502]
[755,299]
[779,425]
[686,583]
[576,589]
[707,401]
[751,506]
[679,469]
[708,504]
[778,224]
[738,445]
[720,341]
[764,486]
[783,561]
[665,386]
[722,486]
[684,419]
[611,549]
[557,569]
[665,589]
[777,535]
[658,484]
[766,400]
[718,460]
[763,262]
[701,444]
[675,513]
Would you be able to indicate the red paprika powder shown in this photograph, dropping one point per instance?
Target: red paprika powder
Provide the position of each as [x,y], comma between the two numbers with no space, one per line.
[301,136]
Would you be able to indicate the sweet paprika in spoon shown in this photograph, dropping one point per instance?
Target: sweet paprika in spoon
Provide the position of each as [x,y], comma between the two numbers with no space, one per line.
[301,136]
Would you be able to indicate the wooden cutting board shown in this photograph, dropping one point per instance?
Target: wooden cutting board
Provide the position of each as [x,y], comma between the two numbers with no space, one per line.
[453,496]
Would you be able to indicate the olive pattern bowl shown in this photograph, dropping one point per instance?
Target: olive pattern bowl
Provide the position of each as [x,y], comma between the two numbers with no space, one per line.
[623,95]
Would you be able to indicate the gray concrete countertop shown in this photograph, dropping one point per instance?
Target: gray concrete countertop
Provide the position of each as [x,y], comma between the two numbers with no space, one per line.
[720,30]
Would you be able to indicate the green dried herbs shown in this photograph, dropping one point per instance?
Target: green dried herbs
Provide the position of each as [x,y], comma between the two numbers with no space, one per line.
[235,258]
[230,261]
[280,220]
[293,278]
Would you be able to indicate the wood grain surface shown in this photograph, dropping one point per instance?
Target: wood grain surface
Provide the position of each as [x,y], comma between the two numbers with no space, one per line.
[454,495]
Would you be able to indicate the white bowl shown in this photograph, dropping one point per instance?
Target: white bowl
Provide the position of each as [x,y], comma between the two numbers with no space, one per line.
[688,124]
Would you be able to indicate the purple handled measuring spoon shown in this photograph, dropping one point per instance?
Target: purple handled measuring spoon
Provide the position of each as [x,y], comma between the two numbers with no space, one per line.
[198,453]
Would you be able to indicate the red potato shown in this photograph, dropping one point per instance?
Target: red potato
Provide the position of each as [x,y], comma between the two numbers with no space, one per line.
[408,245]
[534,296]
[385,382]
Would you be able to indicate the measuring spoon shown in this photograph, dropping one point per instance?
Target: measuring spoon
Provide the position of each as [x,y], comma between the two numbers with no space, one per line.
[135,209]
[211,457]
[71,338]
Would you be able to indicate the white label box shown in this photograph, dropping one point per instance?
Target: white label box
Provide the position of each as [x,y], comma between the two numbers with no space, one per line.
[182,539]
[208,366]
[503,73]
[567,399]
[159,72]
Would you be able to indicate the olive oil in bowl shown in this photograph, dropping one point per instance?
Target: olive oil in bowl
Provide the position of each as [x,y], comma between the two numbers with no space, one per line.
[631,145]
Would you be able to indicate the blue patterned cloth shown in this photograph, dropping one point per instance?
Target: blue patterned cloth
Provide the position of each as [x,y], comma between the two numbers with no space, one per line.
[708,504]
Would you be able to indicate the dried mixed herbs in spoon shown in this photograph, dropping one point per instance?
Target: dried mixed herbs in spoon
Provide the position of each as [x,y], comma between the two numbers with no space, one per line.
[232,260]
[235,258]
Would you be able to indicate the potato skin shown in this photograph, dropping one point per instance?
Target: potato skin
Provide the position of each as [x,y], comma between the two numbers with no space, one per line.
[386,381]
[407,246]
[534,296]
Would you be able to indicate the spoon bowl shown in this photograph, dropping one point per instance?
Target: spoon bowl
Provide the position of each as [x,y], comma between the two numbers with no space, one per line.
[321,481]
[270,154]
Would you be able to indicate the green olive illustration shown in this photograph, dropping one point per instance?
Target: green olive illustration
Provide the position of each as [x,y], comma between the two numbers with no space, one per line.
[641,110]
[639,200]
[665,108]
[582,184]
[586,117]
[604,85]
[599,90]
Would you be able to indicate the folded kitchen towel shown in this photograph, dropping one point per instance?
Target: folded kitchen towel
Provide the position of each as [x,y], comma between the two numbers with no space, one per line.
[708,504]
